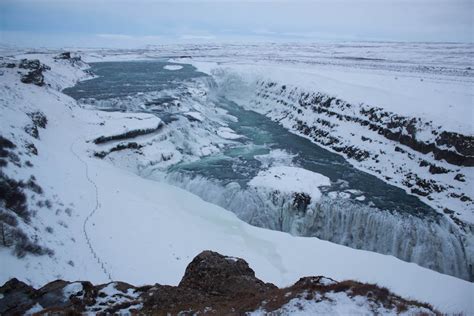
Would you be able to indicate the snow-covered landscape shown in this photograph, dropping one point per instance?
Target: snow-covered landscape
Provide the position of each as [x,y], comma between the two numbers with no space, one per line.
[298,167]
[97,185]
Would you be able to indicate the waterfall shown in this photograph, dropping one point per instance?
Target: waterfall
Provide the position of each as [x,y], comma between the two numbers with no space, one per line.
[434,243]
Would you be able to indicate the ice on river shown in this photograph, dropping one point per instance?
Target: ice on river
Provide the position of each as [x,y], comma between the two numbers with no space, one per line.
[173,67]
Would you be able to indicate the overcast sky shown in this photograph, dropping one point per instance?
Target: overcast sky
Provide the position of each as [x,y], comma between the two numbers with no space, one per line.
[136,23]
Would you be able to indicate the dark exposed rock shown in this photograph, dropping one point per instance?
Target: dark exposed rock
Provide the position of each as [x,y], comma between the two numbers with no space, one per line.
[434,169]
[131,145]
[462,197]
[14,202]
[7,153]
[301,201]
[19,297]
[31,148]
[5,146]
[35,74]
[127,135]
[38,118]
[448,211]
[13,197]
[73,60]
[7,65]
[425,185]
[219,275]
[424,163]
[398,149]
[33,186]
[32,130]
[65,55]
[419,192]
[463,144]
[24,245]
[30,64]
[459,177]
[212,284]
[353,152]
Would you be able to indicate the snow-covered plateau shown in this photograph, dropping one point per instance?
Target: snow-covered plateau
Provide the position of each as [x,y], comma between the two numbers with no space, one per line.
[88,183]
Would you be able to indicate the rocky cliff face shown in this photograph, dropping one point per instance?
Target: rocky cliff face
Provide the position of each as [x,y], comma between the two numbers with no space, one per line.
[409,152]
[361,132]
[212,284]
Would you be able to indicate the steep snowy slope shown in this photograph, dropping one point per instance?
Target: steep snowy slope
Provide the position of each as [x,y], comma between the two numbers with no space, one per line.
[100,222]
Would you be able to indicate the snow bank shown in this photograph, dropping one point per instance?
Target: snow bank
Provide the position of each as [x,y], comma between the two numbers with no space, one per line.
[291,180]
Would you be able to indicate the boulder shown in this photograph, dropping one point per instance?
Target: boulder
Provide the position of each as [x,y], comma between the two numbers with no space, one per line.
[16,297]
[215,274]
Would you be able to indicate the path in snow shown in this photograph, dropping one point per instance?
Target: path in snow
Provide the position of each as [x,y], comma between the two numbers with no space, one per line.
[94,209]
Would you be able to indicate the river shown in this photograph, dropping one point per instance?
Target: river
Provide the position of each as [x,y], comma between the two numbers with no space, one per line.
[357,209]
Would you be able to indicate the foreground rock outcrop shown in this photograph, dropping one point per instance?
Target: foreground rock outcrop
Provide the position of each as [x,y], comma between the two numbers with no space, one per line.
[212,284]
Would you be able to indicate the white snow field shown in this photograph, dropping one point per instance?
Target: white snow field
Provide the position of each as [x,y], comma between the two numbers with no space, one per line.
[143,231]
[291,180]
